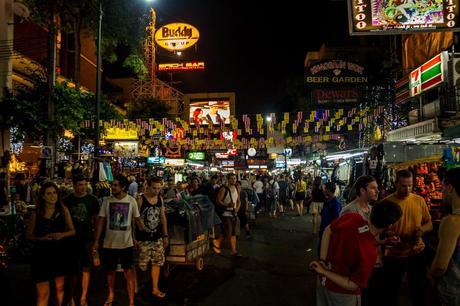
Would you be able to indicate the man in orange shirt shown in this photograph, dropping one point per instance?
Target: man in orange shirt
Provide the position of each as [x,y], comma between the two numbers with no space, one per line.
[405,256]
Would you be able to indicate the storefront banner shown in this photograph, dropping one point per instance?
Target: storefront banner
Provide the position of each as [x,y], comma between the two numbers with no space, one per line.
[154,160]
[174,162]
[371,17]
[196,156]
[335,72]
[323,96]
[429,75]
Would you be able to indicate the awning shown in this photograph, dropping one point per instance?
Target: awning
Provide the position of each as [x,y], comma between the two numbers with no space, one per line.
[452,132]
[405,165]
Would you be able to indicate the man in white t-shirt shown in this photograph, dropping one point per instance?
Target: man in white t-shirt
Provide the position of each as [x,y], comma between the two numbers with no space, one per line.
[116,215]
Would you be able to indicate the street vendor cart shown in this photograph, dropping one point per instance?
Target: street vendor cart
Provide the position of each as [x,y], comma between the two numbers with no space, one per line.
[190,223]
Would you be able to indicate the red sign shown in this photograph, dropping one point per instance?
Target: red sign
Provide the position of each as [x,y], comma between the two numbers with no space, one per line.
[336,95]
[181,66]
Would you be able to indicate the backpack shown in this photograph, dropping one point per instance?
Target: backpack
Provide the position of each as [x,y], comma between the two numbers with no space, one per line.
[271,190]
[220,209]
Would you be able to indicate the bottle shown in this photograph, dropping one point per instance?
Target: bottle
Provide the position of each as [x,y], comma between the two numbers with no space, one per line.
[96,260]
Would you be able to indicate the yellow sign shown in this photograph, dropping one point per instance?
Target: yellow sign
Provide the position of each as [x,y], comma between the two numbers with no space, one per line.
[181,66]
[115,133]
[177,36]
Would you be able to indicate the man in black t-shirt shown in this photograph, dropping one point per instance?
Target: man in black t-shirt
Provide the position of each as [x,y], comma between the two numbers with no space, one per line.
[83,208]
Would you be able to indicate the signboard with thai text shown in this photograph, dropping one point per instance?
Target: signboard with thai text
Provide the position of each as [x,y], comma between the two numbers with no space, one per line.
[388,17]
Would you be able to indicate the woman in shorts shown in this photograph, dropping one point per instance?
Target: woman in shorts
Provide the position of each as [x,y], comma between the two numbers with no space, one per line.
[300,190]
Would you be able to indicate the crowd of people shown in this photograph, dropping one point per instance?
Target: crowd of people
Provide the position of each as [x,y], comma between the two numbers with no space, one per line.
[368,246]
[365,246]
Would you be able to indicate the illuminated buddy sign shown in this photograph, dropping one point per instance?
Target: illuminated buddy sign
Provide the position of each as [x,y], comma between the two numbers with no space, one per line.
[196,156]
[429,75]
[402,16]
[177,36]
[181,66]
[335,72]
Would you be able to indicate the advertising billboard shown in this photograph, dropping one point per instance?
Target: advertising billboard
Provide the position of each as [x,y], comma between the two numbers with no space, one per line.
[402,16]
[210,112]
[177,36]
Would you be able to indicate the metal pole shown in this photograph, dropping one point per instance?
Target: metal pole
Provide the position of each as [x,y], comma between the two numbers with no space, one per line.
[51,137]
[98,80]
[285,162]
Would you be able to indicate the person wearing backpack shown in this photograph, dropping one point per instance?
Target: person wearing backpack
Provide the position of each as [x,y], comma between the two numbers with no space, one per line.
[228,204]
[273,194]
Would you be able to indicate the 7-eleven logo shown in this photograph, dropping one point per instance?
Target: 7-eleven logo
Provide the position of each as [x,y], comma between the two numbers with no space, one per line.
[415,83]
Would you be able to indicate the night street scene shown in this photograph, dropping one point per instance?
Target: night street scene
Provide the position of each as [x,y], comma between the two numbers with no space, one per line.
[229,153]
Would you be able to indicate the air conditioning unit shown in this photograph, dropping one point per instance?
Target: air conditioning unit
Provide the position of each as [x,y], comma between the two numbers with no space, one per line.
[456,70]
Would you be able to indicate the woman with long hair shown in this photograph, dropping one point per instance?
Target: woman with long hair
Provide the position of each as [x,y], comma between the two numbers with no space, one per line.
[300,191]
[317,202]
[49,228]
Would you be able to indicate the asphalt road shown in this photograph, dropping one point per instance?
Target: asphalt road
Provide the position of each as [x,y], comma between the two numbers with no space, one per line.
[272,271]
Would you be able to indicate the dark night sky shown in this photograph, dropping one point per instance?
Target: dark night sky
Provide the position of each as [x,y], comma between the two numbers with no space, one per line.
[252,47]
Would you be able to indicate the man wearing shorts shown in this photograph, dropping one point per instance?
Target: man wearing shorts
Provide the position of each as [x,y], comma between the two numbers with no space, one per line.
[151,242]
[84,209]
[229,198]
[116,215]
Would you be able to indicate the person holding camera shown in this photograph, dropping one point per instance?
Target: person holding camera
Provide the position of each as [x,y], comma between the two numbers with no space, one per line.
[228,202]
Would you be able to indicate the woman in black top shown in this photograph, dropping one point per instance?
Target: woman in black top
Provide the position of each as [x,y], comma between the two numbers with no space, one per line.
[49,229]
[317,202]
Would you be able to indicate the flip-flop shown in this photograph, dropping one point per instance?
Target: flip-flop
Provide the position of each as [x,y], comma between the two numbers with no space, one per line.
[160,296]
[216,249]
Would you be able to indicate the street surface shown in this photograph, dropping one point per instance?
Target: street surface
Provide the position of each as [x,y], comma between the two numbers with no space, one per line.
[272,271]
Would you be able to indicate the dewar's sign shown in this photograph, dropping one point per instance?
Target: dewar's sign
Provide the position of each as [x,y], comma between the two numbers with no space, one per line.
[177,36]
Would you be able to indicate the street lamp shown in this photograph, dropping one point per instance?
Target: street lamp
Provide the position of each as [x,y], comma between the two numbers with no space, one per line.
[98,80]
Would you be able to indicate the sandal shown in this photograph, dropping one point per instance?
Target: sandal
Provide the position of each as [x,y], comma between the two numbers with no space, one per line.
[216,249]
[159,295]
[83,304]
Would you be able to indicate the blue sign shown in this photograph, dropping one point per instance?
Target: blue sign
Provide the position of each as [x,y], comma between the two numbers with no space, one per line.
[154,160]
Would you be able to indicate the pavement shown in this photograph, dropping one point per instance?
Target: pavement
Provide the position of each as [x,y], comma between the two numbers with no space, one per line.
[273,270]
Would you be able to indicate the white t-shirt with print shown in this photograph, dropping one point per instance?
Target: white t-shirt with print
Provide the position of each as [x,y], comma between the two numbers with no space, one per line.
[119,215]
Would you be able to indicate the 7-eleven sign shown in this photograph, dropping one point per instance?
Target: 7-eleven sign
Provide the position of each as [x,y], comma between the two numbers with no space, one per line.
[429,75]
[415,82]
